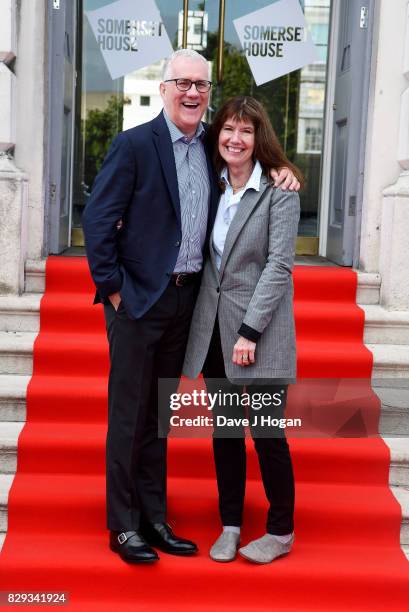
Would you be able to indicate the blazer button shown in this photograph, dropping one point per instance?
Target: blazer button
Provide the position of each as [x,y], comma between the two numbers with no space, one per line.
[218,289]
[177,243]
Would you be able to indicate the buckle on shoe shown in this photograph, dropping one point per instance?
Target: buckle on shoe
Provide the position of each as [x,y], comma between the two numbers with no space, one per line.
[122,538]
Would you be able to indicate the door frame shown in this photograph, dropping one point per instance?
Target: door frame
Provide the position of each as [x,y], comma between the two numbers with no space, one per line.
[54,156]
[370,53]
[324,203]
[73,116]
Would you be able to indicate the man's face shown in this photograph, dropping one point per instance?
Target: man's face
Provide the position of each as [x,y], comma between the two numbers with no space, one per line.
[185,108]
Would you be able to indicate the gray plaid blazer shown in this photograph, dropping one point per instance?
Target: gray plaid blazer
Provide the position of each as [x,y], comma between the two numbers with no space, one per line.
[253,286]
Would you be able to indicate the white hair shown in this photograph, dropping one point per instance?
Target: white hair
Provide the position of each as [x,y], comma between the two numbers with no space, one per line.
[190,53]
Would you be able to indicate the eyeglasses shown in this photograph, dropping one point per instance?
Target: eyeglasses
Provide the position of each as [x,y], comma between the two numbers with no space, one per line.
[186,84]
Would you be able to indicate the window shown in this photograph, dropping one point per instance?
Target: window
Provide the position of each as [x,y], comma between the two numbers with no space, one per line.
[313,135]
[145,101]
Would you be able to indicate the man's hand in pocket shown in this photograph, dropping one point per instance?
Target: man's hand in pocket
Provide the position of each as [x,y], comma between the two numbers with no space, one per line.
[115,299]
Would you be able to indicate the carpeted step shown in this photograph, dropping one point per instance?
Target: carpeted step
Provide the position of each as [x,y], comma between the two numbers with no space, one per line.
[338,284]
[312,572]
[338,319]
[80,449]
[87,355]
[325,511]
[346,554]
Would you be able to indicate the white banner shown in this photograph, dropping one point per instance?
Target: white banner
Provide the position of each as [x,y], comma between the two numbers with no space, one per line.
[130,35]
[275,40]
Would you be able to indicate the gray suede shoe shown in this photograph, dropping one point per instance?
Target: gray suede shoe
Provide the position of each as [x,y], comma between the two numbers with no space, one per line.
[265,549]
[225,547]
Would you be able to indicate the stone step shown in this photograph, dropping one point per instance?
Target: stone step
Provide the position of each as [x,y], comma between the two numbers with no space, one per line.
[9,434]
[13,389]
[394,419]
[390,360]
[20,312]
[399,466]
[16,352]
[5,484]
[35,276]
[385,326]
[369,286]
[402,495]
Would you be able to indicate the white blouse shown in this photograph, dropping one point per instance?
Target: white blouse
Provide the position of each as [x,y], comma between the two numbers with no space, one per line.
[228,206]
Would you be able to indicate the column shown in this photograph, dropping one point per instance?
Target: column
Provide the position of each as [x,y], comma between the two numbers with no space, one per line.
[394,252]
[13,182]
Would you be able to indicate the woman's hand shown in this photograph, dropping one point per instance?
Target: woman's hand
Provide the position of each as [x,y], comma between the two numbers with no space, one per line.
[285,179]
[243,352]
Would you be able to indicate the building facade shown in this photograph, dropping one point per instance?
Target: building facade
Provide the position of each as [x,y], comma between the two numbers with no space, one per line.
[343,119]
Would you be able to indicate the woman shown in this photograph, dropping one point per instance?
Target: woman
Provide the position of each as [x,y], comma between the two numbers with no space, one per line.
[242,331]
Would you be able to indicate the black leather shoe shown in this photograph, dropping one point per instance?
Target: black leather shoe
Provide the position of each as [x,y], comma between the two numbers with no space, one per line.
[131,547]
[161,536]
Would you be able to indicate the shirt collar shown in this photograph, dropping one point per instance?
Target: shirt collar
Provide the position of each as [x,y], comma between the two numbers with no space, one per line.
[176,134]
[254,180]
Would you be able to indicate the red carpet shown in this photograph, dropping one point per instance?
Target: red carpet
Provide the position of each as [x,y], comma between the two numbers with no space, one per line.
[346,554]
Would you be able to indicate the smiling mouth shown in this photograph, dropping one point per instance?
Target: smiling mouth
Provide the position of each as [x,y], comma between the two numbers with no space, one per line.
[234,150]
[190,105]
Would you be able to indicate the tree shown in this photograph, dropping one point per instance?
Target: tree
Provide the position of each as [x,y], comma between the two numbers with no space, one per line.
[98,130]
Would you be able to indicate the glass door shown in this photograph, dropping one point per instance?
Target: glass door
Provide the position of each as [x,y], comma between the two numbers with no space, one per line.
[294,102]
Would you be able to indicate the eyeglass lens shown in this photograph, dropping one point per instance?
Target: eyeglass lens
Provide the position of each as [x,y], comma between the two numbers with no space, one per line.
[186,84]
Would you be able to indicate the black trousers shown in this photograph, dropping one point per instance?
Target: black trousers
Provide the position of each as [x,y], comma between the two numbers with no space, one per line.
[230,450]
[141,352]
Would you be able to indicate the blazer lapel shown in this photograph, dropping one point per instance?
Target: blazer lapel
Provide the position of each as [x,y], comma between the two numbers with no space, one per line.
[213,256]
[214,190]
[246,206]
[164,147]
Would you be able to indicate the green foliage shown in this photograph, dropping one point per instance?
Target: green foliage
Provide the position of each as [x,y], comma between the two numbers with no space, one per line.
[237,79]
[98,131]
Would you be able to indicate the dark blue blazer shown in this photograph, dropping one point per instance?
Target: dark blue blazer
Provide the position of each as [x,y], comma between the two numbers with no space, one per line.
[138,184]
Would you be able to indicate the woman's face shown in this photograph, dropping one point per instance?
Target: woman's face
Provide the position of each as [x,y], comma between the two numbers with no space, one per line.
[236,142]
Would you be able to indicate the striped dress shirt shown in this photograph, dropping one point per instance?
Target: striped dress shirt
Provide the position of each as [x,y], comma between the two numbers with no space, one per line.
[194,194]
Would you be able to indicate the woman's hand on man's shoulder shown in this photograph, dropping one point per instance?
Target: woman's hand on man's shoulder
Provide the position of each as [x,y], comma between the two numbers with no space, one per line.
[285,179]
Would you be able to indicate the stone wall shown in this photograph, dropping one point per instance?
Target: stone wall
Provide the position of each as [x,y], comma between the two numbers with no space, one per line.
[23,81]
[384,131]
[394,256]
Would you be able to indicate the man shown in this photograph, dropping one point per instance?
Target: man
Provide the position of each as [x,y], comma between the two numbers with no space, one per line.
[146,224]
